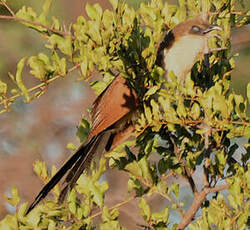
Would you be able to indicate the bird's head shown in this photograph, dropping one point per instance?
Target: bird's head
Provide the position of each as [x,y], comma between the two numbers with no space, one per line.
[198,26]
[182,45]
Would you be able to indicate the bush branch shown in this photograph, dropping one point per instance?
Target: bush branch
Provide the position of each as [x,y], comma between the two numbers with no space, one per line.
[14,18]
[184,166]
[118,205]
[199,198]
[8,8]
[11,99]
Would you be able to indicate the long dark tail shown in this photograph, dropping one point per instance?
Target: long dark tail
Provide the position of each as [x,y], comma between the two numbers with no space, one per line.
[75,165]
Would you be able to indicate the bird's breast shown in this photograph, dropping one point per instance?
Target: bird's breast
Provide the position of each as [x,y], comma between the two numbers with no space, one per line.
[182,55]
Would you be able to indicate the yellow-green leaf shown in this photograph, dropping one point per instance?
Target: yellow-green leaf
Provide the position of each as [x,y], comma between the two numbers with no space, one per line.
[15,198]
[195,111]
[94,12]
[19,79]
[248,92]
[114,3]
[145,209]
[3,87]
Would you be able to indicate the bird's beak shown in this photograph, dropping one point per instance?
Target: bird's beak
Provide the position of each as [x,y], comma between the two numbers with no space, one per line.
[207,31]
[211,28]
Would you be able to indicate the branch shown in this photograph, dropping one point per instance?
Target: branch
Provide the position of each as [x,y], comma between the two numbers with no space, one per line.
[199,198]
[34,88]
[8,8]
[188,174]
[115,206]
[14,18]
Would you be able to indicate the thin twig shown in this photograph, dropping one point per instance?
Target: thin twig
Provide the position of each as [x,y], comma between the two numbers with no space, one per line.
[8,8]
[39,86]
[115,206]
[188,174]
[14,18]
[207,153]
[199,198]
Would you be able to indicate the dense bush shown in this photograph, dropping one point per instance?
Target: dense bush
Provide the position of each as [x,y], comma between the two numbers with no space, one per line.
[191,127]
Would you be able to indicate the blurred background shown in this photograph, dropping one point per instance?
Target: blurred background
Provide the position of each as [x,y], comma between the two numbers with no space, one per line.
[42,129]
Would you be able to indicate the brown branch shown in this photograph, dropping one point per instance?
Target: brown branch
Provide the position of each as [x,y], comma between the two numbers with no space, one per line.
[188,174]
[8,8]
[217,188]
[115,206]
[199,198]
[14,18]
[37,86]
[207,152]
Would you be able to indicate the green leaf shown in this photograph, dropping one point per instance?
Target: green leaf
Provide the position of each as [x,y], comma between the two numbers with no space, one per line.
[94,12]
[156,110]
[15,198]
[175,189]
[135,184]
[38,68]
[80,29]
[46,7]
[146,173]
[29,14]
[151,91]
[98,86]
[128,18]
[72,201]
[247,132]
[145,209]
[40,169]
[108,20]
[219,104]
[84,66]
[21,211]
[109,215]
[158,217]
[97,194]
[83,130]
[134,169]
[9,223]
[94,32]
[19,79]
[181,111]
[56,23]
[111,225]
[248,92]
[64,44]
[3,87]
[240,106]
[148,114]
[189,85]
[71,146]
[195,111]
[114,4]
[59,64]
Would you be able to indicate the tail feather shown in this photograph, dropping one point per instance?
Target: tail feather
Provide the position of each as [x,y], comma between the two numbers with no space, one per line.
[76,164]
[96,149]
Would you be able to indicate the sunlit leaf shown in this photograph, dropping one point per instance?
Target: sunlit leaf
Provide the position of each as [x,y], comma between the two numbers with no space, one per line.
[3,87]
[19,79]
[15,198]
[145,209]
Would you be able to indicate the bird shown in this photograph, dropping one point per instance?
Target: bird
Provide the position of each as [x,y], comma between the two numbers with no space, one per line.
[114,110]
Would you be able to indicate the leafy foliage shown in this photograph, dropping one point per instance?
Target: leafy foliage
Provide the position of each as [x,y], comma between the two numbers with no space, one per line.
[189,125]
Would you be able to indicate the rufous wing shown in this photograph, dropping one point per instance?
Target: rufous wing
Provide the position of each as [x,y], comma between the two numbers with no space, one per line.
[117,100]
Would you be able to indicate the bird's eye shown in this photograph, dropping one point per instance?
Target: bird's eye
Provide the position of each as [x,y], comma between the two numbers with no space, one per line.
[195,29]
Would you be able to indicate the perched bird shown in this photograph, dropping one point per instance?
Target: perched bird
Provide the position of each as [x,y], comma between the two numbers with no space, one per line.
[114,108]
